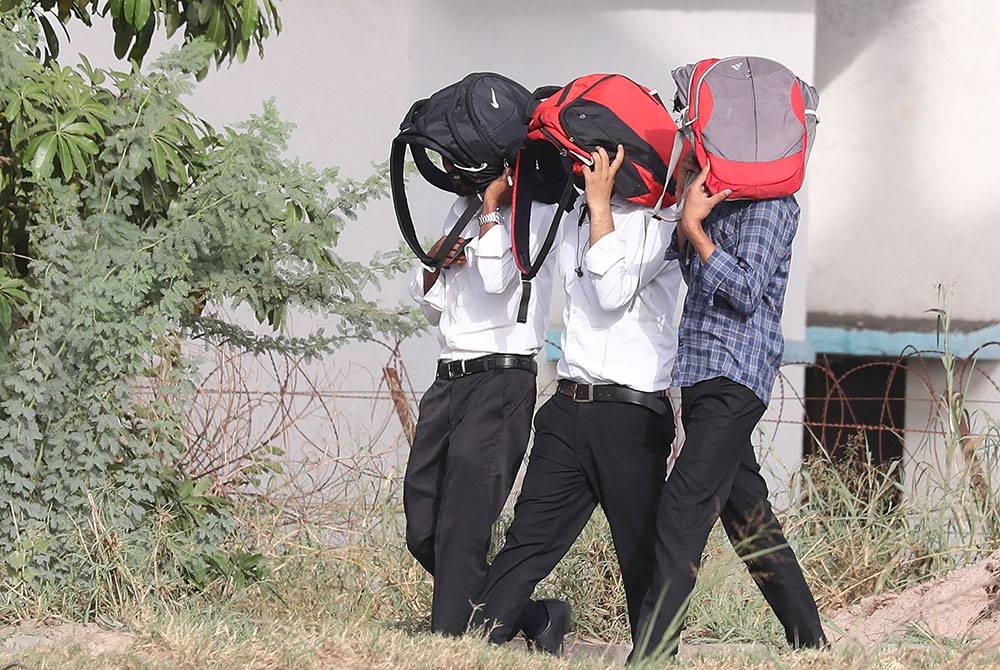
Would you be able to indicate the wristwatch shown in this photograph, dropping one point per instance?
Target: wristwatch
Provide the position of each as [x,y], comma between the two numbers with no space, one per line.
[492,217]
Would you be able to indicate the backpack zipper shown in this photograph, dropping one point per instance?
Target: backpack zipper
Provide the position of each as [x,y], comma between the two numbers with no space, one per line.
[460,141]
[596,84]
[756,126]
[565,94]
[695,93]
[586,160]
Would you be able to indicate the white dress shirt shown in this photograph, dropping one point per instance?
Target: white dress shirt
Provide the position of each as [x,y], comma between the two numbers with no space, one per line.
[475,305]
[608,339]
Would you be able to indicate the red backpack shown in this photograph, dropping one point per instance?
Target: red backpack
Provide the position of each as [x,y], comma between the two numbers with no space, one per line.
[565,126]
[753,119]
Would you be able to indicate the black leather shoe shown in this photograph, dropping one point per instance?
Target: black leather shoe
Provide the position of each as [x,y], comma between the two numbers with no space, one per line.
[550,640]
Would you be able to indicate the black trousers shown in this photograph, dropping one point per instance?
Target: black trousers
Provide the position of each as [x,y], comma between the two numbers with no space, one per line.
[717,473]
[584,454]
[471,436]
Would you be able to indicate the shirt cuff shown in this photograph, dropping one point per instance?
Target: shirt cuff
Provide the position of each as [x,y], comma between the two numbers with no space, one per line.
[494,243]
[605,253]
[715,270]
[416,287]
[434,298]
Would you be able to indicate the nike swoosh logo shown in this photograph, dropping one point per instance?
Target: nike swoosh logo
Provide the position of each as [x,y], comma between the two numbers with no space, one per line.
[494,104]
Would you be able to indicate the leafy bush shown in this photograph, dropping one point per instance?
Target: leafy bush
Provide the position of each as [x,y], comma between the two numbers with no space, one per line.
[125,217]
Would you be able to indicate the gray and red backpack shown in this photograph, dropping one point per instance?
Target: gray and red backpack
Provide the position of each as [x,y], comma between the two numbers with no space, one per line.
[752,119]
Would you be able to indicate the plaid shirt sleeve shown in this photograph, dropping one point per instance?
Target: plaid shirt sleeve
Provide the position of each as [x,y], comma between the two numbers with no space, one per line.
[740,275]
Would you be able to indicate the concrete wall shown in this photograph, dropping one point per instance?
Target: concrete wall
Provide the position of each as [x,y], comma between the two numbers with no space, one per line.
[902,182]
[903,175]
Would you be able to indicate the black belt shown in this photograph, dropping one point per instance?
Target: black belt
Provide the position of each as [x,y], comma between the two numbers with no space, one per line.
[656,401]
[455,369]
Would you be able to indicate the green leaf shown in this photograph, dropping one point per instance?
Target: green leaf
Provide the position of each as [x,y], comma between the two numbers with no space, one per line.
[97,110]
[123,37]
[65,159]
[6,318]
[143,9]
[129,8]
[10,291]
[79,128]
[86,145]
[174,20]
[142,42]
[216,31]
[175,160]
[78,160]
[189,133]
[202,486]
[205,10]
[242,50]
[29,153]
[51,41]
[16,560]
[13,108]
[250,15]
[41,163]
[159,162]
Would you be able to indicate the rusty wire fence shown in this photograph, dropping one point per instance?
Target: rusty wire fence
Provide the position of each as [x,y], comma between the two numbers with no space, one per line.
[315,432]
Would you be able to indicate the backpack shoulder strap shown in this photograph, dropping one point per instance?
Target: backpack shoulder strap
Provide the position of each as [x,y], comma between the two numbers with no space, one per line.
[432,173]
[523,197]
[402,207]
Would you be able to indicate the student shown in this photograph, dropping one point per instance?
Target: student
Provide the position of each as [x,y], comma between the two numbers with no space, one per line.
[735,258]
[475,419]
[604,438]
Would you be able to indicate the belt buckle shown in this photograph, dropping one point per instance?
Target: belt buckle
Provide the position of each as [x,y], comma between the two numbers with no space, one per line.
[590,393]
[461,369]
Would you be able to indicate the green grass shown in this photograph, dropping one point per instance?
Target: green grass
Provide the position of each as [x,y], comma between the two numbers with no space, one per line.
[366,604]
[201,634]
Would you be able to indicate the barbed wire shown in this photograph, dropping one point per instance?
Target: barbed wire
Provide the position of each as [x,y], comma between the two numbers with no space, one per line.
[358,394]
[249,407]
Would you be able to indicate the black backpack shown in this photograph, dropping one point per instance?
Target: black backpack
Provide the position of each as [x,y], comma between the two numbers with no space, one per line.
[476,124]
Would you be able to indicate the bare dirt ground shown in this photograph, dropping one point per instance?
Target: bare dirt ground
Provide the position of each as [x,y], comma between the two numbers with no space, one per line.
[90,638]
[964,605]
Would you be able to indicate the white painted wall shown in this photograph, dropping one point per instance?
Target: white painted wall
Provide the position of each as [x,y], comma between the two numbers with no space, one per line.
[902,184]
[903,177]
[346,71]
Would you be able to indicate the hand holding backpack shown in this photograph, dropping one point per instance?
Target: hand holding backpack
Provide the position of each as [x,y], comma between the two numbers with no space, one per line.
[565,126]
[752,119]
[477,125]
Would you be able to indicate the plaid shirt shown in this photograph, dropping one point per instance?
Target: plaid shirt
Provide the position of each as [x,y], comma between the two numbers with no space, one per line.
[731,326]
